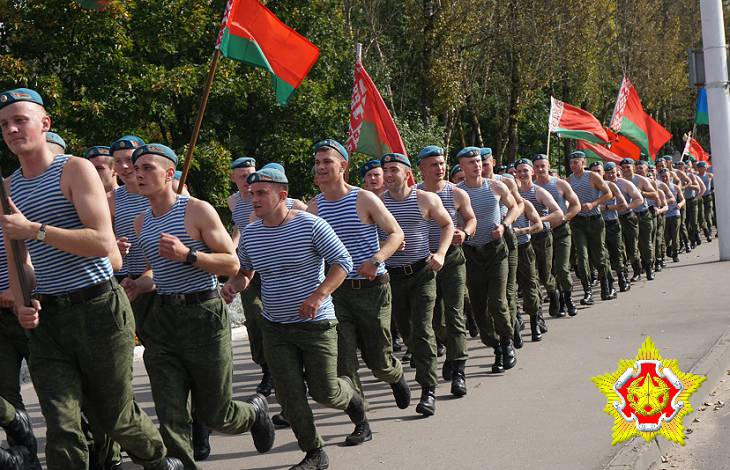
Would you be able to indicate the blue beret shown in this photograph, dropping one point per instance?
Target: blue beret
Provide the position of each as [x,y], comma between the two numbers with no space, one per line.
[243,162]
[430,151]
[508,175]
[19,94]
[367,166]
[178,175]
[523,161]
[395,158]
[627,161]
[53,138]
[642,162]
[155,149]
[577,154]
[595,163]
[609,166]
[667,158]
[334,145]
[97,151]
[275,166]
[267,175]
[126,142]
[485,151]
[701,164]
[454,170]
[469,152]
[680,163]
[510,165]
[540,156]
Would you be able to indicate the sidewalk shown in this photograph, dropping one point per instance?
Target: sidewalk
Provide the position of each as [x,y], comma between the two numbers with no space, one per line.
[545,413]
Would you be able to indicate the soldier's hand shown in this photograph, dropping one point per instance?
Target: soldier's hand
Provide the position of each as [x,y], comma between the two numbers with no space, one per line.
[131,288]
[228,292]
[172,248]
[28,316]
[459,237]
[123,245]
[587,207]
[368,270]
[311,305]
[16,226]
[436,261]
[498,232]
[402,246]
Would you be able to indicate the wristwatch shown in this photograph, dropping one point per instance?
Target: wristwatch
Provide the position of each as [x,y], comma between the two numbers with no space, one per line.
[376,262]
[466,235]
[192,256]
[41,234]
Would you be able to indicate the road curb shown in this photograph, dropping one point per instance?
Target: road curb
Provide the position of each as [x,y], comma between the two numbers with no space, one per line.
[640,455]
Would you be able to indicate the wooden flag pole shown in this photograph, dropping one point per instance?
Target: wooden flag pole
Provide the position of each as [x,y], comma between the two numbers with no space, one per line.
[15,249]
[199,120]
[547,152]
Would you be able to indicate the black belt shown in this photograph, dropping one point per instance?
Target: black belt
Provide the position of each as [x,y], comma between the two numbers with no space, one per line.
[707,196]
[652,209]
[408,269]
[358,284]
[628,215]
[121,277]
[189,298]
[588,217]
[643,213]
[541,235]
[611,223]
[78,296]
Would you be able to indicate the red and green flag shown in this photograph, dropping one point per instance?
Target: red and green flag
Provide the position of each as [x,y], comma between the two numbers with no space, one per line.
[630,120]
[574,123]
[596,152]
[695,150]
[372,130]
[251,33]
[622,146]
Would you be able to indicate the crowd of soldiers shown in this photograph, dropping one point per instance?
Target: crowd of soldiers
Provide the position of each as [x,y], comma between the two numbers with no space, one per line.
[353,270]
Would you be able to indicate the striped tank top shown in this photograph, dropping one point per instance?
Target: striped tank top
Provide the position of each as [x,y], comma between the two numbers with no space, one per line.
[414,226]
[40,199]
[522,222]
[289,276]
[542,210]
[636,179]
[623,186]
[552,187]
[4,278]
[434,229]
[173,277]
[361,240]
[708,185]
[486,209]
[610,214]
[689,193]
[673,209]
[502,208]
[242,213]
[127,206]
[586,192]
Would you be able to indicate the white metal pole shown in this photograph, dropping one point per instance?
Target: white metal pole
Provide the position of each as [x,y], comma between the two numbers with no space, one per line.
[718,103]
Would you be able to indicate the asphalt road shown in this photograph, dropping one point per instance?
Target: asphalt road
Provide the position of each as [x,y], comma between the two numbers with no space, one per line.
[545,413]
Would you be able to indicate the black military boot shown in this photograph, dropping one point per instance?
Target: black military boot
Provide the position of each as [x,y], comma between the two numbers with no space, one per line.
[607,290]
[280,420]
[267,382]
[427,405]
[440,349]
[447,370]
[569,305]
[509,357]
[315,459]
[201,441]
[15,458]
[554,309]
[708,234]
[636,265]
[648,268]
[587,297]
[675,256]
[471,325]
[657,265]
[458,380]
[541,324]
[356,412]
[168,463]
[401,393]
[687,248]
[535,329]
[563,308]
[623,283]
[20,433]
[262,430]
[516,336]
[698,240]
[498,365]
[594,278]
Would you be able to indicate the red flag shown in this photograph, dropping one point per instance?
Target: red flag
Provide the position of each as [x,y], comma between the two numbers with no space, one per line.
[695,150]
[622,146]
[574,123]
[658,135]
[599,151]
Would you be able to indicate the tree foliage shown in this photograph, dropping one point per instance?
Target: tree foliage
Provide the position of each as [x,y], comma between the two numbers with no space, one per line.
[453,72]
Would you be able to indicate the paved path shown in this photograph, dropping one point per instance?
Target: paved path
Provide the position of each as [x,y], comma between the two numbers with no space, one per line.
[545,413]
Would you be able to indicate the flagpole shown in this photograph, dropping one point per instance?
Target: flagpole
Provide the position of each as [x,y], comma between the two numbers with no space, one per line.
[547,152]
[358,53]
[199,119]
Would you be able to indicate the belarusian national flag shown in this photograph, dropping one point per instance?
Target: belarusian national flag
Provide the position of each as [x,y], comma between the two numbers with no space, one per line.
[94,4]
[630,120]
[372,130]
[701,115]
[622,146]
[574,123]
[597,152]
[694,149]
[252,34]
